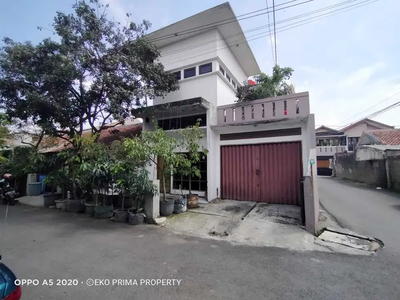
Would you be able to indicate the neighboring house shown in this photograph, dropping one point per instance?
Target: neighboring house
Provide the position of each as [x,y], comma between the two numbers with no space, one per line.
[331,141]
[107,136]
[354,131]
[258,151]
[376,159]
[20,139]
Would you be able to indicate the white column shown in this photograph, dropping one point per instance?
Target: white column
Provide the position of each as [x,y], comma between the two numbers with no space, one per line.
[213,157]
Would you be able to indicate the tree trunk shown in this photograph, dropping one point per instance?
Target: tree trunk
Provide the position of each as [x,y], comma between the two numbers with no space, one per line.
[123,202]
[164,190]
[190,184]
[75,192]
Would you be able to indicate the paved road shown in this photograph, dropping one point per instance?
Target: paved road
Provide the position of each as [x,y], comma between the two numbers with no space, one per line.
[41,243]
[364,210]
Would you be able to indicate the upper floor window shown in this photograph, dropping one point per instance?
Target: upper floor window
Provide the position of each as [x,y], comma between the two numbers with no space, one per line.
[222,70]
[234,84]
[207,68]
[177,75]
[191,72]
[228,77]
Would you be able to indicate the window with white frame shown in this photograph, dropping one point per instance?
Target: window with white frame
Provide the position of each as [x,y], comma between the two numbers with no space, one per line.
[222,70]
[191,72]
[206,68]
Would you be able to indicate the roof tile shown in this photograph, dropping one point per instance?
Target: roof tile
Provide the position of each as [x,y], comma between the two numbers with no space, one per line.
[387,136]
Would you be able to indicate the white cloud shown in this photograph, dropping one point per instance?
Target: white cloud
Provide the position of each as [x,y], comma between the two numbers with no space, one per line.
[362,76]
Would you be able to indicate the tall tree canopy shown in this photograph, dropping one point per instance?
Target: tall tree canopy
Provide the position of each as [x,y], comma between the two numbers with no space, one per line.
[267,86]
[96,72]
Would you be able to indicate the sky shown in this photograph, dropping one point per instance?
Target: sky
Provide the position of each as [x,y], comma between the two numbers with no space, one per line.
[348,62]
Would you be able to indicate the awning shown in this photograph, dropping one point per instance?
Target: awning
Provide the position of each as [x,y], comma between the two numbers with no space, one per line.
[166,110]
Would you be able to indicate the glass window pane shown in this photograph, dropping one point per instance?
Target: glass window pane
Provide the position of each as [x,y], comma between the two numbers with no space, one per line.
[207,68]
[222,70]
[195,185]
[177,75]
[190,72]
[228,77]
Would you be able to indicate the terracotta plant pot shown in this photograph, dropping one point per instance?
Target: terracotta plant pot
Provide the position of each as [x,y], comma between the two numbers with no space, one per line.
[192,201]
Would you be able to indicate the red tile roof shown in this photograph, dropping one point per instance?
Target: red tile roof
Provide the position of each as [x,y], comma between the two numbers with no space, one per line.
[107,136]
[387,136]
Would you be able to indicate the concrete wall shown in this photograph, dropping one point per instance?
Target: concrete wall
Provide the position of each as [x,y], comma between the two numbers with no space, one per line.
[311,196]
[204,86]
[394,173]
[225,92]
[370,171]
[229,61]
[190,51]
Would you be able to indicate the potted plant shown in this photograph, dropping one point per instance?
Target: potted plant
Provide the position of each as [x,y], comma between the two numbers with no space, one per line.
[56,178]
[102,179]
[158,148]
[139,188]
[191,137]
[121,173]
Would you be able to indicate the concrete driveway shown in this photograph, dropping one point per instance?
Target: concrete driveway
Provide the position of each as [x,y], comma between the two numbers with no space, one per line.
[247,223]
[42,243]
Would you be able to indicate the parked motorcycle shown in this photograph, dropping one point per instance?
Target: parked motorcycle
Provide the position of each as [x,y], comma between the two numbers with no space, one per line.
[7,193]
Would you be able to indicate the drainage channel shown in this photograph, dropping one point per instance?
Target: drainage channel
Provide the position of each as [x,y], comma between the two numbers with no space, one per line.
[351,239]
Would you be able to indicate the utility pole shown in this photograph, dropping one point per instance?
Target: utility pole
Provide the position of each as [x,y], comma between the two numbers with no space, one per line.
[276,52]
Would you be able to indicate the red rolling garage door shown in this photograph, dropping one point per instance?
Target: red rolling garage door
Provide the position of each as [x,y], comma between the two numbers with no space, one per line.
[262,173]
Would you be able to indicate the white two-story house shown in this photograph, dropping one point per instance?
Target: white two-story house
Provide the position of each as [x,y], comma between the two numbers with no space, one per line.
[257,151]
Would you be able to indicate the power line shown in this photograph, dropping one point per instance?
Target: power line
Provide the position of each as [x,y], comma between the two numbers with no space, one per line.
[276,52]
[269,27]
[264,26]
[377,113]
[317,18]
[224,22]
[370,107]
[300,23]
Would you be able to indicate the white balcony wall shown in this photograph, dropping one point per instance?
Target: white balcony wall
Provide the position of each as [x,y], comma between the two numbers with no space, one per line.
[204,86]
[330,150]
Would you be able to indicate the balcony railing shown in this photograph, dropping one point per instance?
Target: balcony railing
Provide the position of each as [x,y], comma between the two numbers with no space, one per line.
[269,109]
[330,150]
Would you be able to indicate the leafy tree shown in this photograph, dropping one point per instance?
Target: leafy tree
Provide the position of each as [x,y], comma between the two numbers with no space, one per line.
[4,131]
[96,72]
[267,86]
[159,148]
